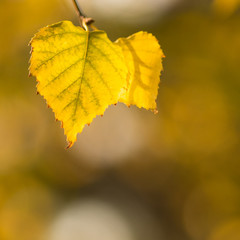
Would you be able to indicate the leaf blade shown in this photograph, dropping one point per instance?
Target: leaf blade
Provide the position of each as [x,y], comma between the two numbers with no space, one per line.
[70,65]
[143,56]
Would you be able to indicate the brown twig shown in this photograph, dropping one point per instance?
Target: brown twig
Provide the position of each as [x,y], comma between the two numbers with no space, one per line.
[84,21]
[79,11]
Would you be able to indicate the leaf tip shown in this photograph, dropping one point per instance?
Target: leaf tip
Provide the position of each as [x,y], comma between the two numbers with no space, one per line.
[69,145]
[155,111]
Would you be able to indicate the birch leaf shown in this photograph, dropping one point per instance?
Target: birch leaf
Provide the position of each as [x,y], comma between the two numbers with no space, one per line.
[143,57]
[79,73]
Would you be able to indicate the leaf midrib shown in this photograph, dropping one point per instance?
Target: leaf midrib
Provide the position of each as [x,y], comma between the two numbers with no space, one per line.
[83,70]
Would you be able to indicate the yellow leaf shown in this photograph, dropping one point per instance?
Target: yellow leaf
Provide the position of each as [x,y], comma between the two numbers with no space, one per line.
[143,57]
[79,73]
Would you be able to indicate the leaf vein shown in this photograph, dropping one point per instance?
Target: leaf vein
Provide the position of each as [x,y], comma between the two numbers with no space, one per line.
[66,69]
[100,76]
[83,68]
[51,58]
[57,34]
[107,57]
[109,45]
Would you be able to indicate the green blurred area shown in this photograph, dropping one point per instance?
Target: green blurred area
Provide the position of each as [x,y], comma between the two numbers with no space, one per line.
[181,166]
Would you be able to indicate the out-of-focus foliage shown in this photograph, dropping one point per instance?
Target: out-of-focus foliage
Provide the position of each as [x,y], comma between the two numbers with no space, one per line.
[226,7]
[171,176]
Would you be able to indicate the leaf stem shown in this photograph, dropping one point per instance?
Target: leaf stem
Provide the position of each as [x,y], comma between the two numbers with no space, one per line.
[84,21]
[79,11]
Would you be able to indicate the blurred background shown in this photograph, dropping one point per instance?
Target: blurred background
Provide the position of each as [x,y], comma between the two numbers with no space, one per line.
[132,175]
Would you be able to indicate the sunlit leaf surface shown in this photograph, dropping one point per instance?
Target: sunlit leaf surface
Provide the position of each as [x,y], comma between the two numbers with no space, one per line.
[80,73]
[143,57]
